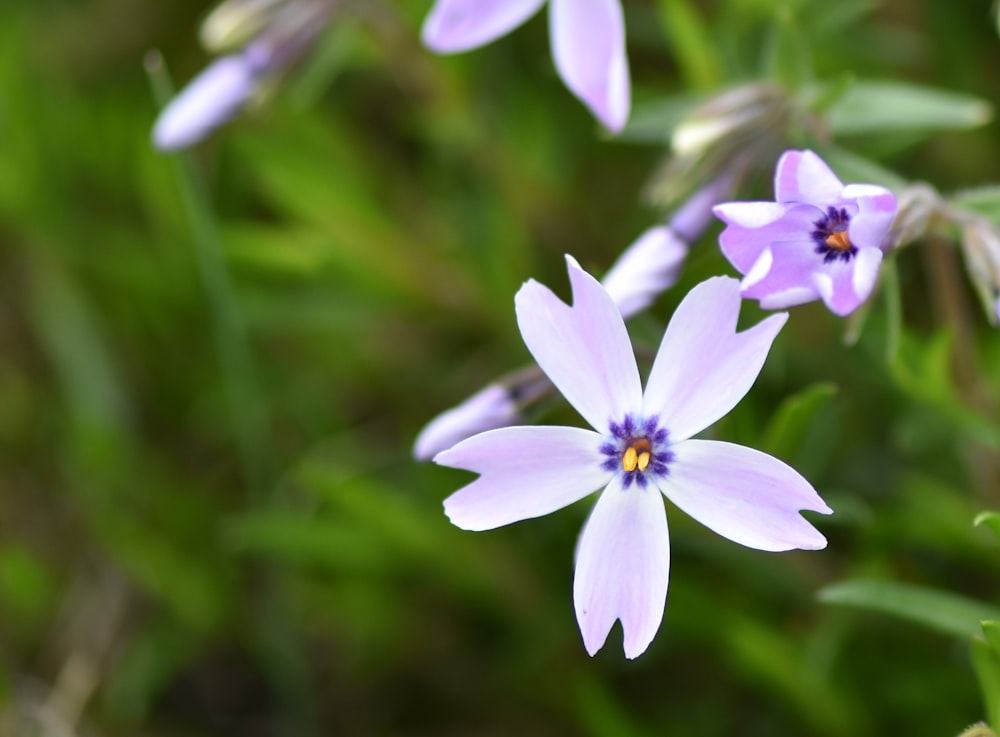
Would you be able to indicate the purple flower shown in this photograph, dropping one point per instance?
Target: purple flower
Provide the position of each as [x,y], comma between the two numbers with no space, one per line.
[819,240]
[645,269]
[214,97]
[587,36]
[640,445]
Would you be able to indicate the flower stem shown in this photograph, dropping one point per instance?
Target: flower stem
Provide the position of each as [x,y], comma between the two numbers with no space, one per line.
[247,413]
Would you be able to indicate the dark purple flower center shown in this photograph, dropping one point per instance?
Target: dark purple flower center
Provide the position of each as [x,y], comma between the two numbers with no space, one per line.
[832,241]
[636,449]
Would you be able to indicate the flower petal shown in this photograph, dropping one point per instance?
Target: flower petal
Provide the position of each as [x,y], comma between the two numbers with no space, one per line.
[876,211]
[622,568]
[744,495]
[460,25]
[588,45]
[802,176]
[782,276]
[209,100]
[584,349]
[704,367]
[489,408]
[524,472]
[645,269]
[843,287]
[753,226]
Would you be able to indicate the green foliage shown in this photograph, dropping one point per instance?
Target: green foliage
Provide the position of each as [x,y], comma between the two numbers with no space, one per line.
[305,290]
[940,610]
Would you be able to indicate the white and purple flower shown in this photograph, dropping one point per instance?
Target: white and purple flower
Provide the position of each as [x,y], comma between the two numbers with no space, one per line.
[587,36]
[820,239]
[640,445]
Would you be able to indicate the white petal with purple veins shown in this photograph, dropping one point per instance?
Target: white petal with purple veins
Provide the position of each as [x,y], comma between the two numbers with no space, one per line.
[460,25]
[588,45]
[744,495]
[584,349]
[524,472]
[704,367]
[622,568]
[802,176]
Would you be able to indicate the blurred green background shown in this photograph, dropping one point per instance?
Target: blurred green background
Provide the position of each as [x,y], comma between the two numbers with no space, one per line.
[162,574]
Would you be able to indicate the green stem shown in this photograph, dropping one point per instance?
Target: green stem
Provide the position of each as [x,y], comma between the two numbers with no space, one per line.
[247,412]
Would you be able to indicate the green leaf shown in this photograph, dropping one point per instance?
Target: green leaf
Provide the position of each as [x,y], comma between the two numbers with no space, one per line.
[787,59]
[886,107]
[991,629]
[943,611]
[983,200]
[922,369]
[785,433]
[986,662]
[990,519]
[691,42]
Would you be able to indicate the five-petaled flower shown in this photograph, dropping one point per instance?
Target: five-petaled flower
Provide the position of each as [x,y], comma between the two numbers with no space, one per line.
[819,240]
[587,36]
[640,446]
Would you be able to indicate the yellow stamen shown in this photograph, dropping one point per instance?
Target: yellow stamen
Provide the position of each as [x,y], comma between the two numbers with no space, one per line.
[629,459]
[643,461]
[839,241]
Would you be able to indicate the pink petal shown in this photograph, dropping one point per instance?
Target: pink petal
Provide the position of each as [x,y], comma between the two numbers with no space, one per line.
[210,99]
[460,25]
[588,45]
[744,495]
[622,568]
[704,367]
[782,276]
[802,176]
[487,409]
[843,287]
[584,349]
[876,211]
[645,270]
[753,226]
[524,472]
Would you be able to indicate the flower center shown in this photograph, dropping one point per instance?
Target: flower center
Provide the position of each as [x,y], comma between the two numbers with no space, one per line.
[637,455]
[831,236]
[637,449]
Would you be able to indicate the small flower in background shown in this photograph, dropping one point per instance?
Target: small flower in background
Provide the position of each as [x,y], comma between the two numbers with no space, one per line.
[279,33]
[587,36]
[645,269]
[818,240]
[641,445]
[497,405]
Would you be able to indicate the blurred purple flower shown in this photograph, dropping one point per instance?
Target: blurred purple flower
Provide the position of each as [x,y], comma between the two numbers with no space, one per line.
[587,37]
[212,98]
[645,270]
[281,30]
[819,240]
[641,445]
